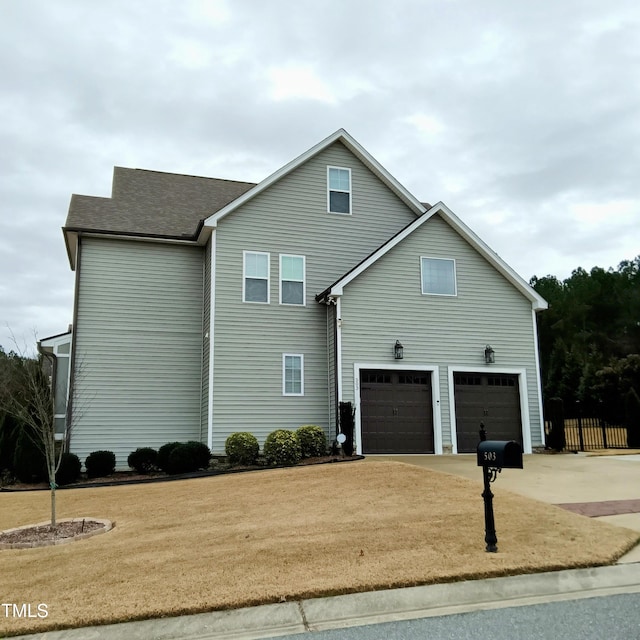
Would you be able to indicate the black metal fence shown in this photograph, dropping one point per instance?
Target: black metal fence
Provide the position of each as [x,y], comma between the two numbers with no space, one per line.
[587,430]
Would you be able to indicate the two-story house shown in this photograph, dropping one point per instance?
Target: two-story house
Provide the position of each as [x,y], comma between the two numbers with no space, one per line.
[205,307]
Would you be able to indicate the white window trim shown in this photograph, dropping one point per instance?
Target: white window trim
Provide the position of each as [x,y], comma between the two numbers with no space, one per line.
[284,373]
[244,276]
[455,277]
[304,280]
[350,192]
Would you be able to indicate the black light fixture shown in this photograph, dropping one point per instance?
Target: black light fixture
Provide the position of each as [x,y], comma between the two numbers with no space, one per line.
[489,355]
[398,351]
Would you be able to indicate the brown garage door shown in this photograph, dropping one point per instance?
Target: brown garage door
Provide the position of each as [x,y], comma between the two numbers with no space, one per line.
[490,398]
[396,412]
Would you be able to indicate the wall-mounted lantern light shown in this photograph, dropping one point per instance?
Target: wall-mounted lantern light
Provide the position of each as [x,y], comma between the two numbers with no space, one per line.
[489,355]
[398,351]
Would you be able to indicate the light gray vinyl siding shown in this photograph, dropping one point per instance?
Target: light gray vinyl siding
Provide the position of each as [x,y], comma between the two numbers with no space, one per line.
[289,218]
[385,304]
[138,346]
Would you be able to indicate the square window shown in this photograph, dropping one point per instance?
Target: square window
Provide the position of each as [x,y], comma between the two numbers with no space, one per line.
[292,374]
[438,276]
[255,286]
[292,282]
[338,190]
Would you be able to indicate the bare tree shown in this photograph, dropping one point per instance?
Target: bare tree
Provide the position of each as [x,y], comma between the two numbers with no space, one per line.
[29,396]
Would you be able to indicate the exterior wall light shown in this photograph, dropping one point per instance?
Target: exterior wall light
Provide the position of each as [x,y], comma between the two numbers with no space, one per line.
[398,351]
[489,355]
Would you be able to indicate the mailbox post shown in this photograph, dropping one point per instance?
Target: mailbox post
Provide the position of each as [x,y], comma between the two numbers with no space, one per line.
[493,456]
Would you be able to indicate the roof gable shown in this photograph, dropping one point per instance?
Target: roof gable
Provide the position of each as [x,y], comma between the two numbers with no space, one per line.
[350,143]
[337,288]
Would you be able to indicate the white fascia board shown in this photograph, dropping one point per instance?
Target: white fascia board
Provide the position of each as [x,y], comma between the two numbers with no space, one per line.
[538,302]
[349,142]
[369,161]
[71,243]
[338,287]
[54,341]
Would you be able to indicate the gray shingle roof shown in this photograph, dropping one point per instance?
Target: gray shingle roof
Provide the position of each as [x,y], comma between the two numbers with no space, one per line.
[153,203]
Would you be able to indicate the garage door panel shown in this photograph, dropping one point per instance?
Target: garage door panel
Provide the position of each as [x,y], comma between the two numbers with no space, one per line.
[493,399]
[396,412]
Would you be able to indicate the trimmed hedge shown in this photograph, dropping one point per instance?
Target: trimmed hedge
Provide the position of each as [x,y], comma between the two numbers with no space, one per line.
[188,456]
[242,448]
[69,469]
[313,441]
[201,454]
[282,447]
[143,460]
[163,455]
[100,463]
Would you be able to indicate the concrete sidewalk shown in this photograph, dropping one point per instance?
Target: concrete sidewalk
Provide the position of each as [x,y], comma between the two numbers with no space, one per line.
[369,608]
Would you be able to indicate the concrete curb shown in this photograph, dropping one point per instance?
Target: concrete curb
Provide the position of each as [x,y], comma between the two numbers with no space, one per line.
[369,608]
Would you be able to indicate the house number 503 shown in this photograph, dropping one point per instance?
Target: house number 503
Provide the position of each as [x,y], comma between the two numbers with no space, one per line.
[490,456]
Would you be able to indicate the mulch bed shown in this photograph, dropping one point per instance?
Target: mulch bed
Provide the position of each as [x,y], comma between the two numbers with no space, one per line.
[131,477]
[67,529]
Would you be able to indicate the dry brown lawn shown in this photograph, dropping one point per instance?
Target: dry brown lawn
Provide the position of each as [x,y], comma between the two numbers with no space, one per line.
[236,540]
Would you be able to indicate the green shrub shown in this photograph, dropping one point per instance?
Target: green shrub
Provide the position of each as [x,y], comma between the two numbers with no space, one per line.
[163,455]
[100,463]
[242,448]
[143,460]
[69,469]
[201,454]
[632,418]
[313,441]
[182,459]
[282,447]
[29,464]
[554,412]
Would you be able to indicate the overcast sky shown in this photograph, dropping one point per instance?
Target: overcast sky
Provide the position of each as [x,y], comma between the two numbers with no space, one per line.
[523,117]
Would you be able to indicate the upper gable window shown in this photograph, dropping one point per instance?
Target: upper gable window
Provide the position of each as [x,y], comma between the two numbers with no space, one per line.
[255,286]
[438,276]
[338,190]
[292,281]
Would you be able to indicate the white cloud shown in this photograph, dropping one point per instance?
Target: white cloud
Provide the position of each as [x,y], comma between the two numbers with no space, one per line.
[522,117]
[294,82]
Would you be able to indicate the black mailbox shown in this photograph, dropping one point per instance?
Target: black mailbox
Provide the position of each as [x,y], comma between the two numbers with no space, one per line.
[502,454]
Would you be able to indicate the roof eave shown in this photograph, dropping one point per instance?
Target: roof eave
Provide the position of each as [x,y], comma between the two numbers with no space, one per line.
[71,245]
[339,136]
[538,303]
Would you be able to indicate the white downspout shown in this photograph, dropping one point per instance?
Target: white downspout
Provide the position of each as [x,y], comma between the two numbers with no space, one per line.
[339,346]
[212,319]
[538,377]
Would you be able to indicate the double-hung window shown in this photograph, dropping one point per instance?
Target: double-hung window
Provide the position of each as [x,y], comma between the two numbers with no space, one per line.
[438,276]
[292,374]
[292,280]
[255,285]
[338,190]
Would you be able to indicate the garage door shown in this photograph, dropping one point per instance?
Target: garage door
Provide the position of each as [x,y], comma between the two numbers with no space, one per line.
[396,413]
[490,398]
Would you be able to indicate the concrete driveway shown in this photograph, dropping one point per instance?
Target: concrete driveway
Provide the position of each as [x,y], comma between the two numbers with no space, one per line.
[590,484]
